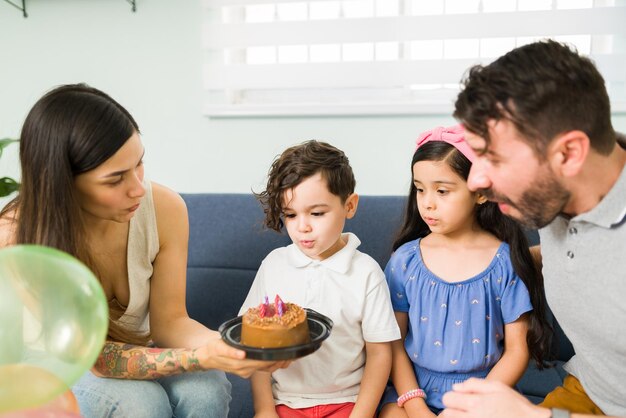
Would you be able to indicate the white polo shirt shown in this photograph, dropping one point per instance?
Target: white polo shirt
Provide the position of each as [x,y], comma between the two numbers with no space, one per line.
[350,289]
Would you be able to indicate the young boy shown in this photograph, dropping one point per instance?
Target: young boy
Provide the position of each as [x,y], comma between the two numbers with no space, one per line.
[310,191]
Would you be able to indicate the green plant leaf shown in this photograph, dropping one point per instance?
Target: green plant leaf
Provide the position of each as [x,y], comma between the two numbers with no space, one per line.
[4,142]
[8,186]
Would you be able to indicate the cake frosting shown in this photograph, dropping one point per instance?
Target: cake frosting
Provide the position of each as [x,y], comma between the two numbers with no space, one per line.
[274,325]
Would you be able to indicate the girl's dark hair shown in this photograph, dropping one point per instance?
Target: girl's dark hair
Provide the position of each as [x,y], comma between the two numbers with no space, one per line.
[72,129]
[295,165]
[490,219]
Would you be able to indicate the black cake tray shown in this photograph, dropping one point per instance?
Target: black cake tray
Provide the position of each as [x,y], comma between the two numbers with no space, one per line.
[319,329]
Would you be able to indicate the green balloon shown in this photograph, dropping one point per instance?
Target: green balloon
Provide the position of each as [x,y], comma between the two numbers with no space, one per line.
[53,318]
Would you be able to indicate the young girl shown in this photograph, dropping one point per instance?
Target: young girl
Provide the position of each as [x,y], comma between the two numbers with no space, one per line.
[465,292]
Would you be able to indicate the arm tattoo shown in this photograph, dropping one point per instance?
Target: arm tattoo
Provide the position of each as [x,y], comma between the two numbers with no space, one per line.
[126,361]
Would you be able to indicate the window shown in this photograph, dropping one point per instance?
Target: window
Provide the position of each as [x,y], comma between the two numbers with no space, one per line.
[359,57]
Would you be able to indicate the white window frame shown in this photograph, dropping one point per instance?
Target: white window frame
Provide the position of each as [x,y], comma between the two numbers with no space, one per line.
[385,87]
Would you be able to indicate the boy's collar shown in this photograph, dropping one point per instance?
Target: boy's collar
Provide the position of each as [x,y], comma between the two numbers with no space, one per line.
[339,262]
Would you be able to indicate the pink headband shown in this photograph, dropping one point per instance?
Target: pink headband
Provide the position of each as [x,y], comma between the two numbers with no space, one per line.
[453,135]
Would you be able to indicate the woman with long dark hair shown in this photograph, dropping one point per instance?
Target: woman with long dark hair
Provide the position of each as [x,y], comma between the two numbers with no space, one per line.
[84,192]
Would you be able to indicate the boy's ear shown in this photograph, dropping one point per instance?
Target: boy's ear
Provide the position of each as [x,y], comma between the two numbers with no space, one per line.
[567,153]
[351,204]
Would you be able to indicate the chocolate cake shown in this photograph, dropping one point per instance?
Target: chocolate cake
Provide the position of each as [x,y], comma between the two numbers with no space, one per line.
[273,325]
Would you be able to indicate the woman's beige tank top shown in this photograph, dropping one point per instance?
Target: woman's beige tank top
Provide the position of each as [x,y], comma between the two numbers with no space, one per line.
[143,247]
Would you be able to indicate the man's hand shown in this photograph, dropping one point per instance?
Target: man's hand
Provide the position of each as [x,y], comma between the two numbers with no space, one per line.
[477,398]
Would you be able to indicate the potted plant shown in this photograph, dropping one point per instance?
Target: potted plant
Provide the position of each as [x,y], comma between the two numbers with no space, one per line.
[7,184]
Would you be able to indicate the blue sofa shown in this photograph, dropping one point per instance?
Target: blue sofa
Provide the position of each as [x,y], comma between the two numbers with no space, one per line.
[228,242]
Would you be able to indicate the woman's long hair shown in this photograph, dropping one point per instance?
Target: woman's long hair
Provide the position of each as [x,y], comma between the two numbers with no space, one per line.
[490,219]
[69,131]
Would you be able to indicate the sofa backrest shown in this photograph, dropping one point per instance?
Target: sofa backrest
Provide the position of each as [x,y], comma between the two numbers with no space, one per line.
[227,242]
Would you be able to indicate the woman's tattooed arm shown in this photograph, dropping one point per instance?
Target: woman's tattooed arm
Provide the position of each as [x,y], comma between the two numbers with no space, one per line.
[126,361]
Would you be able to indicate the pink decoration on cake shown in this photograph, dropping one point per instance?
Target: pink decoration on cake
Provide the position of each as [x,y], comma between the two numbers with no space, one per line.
[268,310]
[265,309]
[280,306]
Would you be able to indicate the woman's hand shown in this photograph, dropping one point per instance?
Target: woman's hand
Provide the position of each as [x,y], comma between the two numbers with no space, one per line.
[266,414]
[219,355]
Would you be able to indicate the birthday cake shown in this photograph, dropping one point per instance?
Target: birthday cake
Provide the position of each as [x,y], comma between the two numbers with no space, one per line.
[274,325]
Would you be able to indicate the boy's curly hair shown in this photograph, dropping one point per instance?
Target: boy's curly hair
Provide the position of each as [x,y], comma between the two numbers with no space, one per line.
[298,163]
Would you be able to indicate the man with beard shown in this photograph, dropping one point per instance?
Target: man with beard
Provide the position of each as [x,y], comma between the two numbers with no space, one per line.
[539,118]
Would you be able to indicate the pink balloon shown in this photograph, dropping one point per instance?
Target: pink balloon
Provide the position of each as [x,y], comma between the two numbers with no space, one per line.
[64,406]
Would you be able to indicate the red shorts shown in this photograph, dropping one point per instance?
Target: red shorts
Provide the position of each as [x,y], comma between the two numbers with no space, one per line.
[338,410]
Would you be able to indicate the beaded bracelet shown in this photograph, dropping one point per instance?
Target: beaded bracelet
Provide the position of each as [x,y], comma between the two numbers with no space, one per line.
[413,393]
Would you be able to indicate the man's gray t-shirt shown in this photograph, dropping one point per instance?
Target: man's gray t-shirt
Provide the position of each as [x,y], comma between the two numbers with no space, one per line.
[584,266]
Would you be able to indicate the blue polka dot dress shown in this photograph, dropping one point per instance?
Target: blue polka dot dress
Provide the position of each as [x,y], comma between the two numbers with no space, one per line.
[456,330]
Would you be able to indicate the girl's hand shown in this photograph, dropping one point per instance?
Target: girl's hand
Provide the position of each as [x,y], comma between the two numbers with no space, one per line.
[413,408]
[418,409]
[219,355]
[427,414]
[266,414]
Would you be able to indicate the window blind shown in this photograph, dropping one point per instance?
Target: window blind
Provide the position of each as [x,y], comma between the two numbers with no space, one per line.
[369,57]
